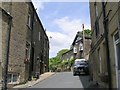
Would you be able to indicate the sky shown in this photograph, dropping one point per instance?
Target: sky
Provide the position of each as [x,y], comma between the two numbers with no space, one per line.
[62,20]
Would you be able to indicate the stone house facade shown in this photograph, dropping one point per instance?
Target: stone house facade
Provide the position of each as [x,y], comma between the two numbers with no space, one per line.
[28,41]
[67,55]
[16,66]
[105,46]
[80,49]
[40,46]
[5,20]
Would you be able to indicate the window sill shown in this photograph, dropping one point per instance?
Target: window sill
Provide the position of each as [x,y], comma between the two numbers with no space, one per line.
[13,83]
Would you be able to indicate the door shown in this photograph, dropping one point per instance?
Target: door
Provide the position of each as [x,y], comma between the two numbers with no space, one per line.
[117,57]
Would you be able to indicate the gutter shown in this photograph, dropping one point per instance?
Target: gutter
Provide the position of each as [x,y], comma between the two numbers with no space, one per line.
[105,23]
[5,72]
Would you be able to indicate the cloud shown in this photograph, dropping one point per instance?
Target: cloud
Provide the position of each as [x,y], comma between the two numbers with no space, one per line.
[63,0]
[70,26]
[58,41]
[67,30]
[62,30]
[67,25]
[39,5]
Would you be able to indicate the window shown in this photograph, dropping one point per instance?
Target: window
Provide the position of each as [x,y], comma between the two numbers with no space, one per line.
[78,39]
[96,9]
[116,36]
[29,23]
[97,27]
[117,49]
[74,50]
[12,78]
[97,20]
[27,52]
[81,47]
[116,40]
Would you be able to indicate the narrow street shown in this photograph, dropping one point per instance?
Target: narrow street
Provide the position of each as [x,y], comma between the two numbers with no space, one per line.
[64,80]
[43,41]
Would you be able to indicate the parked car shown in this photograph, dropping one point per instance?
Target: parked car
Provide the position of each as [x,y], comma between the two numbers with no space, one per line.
[80,66]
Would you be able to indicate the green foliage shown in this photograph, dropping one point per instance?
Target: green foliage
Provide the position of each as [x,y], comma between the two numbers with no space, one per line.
[53,63]
[56,62]
[87,32]
[71,61]
[59,54]
[65,62]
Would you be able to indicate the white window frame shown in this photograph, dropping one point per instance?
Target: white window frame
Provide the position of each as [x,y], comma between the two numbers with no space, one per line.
[74,49]
[11,78]
[80,47]
[29,21]
[116,62]
[96,9]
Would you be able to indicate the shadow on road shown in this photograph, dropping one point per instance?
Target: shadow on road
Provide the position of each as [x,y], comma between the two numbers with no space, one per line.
[85,80]
[87,83]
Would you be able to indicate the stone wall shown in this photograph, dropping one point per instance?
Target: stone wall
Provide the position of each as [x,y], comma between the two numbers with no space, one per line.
[98,43]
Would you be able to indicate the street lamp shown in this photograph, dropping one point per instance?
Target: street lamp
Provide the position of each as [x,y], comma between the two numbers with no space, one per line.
[83,41]
[50,39]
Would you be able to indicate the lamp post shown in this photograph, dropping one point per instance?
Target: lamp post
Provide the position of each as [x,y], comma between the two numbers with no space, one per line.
[50,38]
[83,41]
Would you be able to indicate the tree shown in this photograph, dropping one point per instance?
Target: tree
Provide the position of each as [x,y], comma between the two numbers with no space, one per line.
[59,54]
[53,63]
[87,32]
[56,62]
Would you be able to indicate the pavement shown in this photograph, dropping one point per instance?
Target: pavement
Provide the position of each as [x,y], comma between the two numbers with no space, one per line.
[33,82]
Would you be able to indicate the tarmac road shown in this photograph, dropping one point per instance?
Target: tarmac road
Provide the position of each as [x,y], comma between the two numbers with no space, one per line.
[63,80]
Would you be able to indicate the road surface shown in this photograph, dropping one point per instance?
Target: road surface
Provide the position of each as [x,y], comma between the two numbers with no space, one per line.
[63,80]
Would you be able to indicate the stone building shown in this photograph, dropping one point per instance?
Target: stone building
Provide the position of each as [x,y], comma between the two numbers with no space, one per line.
[105,46]
[67,55]
[80,49]
[5,20]
[28,41]
[40,46]
[16,66]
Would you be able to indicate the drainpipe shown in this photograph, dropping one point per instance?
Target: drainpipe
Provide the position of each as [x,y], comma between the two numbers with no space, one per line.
[5,72]
[105,23]
[31,52]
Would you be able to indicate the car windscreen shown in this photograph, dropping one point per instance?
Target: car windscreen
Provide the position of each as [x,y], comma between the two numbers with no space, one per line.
[80,63]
